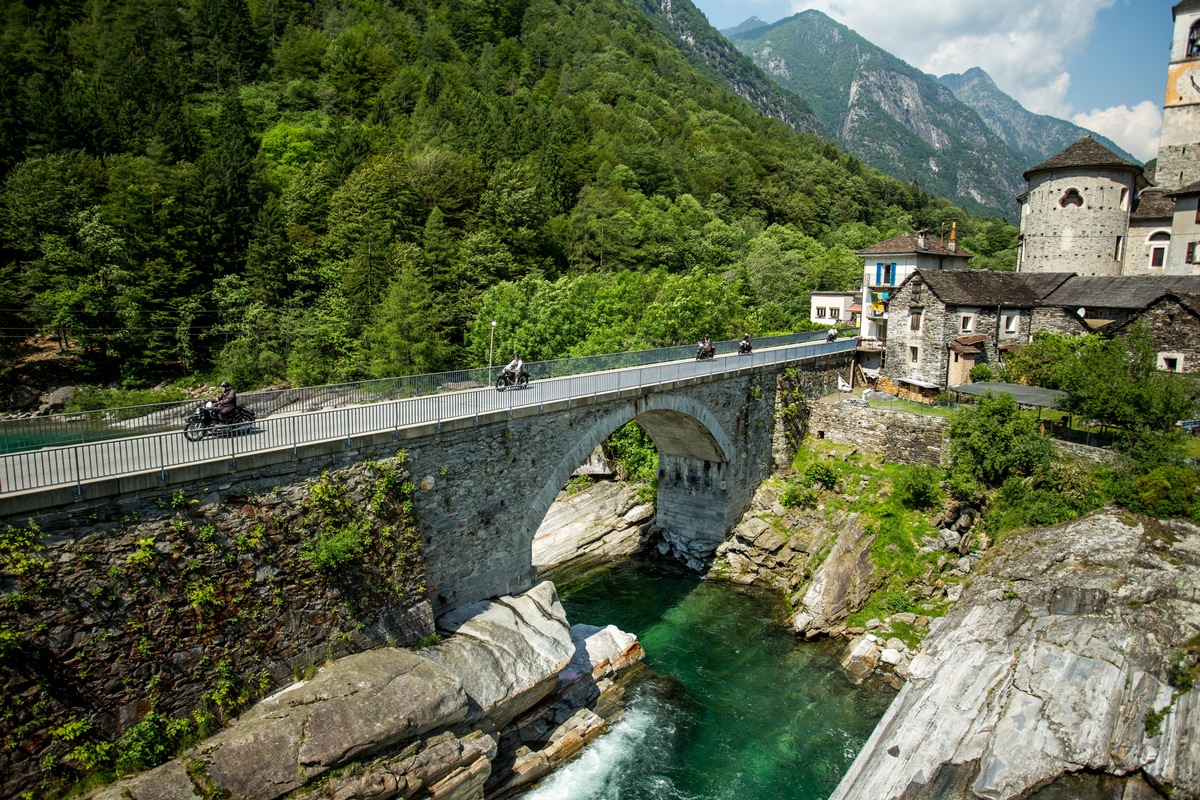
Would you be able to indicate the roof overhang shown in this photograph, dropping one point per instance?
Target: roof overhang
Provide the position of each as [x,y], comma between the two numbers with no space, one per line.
[919,382]
[1024,395]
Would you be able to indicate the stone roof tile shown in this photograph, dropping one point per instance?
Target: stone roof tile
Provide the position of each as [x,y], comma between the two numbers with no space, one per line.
[908,243]
[1191,188]
[1043,283]
[979,287]
[1086,152]
[1119,291]
[1154,204]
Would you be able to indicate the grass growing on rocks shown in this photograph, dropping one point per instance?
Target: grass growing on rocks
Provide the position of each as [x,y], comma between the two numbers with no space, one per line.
[900,521]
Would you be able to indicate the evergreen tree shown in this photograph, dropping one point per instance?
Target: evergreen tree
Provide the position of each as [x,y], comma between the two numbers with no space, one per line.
[405,336]
[227,205]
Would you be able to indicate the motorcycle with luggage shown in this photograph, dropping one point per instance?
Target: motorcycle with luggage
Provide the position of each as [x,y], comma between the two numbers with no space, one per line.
[508,379]
[206,421]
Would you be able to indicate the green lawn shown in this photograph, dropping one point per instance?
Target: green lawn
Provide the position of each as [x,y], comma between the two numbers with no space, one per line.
[911,407]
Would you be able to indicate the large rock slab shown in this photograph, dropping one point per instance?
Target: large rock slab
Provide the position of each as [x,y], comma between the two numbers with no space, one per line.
[603,521]
[507,653]
[840,584]
[504,656]
[1057,652]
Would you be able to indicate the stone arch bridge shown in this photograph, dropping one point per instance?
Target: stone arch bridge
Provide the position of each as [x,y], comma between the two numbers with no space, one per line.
[487,475]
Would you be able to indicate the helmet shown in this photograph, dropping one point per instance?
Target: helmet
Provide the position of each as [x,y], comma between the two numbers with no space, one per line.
[225,384]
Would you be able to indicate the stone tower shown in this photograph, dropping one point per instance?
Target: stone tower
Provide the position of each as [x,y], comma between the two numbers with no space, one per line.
[1179,147]
[1075,215]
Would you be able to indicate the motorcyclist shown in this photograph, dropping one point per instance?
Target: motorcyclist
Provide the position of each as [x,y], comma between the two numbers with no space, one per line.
[832,335]
[744,345]
[513,370]
[226,403]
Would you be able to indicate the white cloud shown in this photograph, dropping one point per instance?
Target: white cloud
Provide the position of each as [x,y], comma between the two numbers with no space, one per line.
[1136,129]
[1023,44]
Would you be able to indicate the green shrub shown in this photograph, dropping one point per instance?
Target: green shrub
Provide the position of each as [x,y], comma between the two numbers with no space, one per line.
[796,495]
[579,483]
[1167,491]
[918,487]
[898,602]
[151,742]
[821,474]
[981,373]
[994,441]
[335,547]
[1058,491]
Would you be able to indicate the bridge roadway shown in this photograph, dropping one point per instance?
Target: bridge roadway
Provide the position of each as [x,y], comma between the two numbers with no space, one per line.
[78,464]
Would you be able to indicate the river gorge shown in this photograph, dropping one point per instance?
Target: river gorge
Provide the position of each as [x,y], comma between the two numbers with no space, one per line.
[1057,657]
[730,704]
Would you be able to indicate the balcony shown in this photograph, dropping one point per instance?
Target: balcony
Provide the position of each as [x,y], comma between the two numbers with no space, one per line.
[871,345]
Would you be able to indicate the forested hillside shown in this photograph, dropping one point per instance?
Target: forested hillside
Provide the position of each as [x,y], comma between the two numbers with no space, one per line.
[331,189]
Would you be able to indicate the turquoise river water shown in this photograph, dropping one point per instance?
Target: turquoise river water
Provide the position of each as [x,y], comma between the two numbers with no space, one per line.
[732,706]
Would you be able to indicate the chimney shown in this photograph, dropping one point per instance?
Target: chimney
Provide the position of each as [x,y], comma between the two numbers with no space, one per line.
[920,240]
[953,236]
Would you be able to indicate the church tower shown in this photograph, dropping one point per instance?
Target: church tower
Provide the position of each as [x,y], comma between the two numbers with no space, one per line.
[1179,147]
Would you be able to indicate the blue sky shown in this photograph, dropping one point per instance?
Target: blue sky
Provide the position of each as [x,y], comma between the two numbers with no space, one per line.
[1100,63]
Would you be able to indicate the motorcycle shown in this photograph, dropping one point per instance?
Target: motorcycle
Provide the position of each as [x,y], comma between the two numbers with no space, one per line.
[206,421]
[508,379]
[744,348]
[705,351]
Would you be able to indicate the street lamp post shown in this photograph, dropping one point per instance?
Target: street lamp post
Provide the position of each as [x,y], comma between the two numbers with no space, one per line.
[491,342]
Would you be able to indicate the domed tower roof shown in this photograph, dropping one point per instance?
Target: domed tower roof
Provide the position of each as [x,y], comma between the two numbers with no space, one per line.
[1087,153]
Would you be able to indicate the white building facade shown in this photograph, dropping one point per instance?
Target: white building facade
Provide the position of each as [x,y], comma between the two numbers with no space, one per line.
[833,308]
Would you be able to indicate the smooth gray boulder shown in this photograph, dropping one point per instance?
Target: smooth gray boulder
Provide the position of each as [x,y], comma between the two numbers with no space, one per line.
[1057,654]
[504,656]
[506,652]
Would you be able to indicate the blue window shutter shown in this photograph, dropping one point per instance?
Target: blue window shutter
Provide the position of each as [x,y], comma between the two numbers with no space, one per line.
[878,273]
[892,280]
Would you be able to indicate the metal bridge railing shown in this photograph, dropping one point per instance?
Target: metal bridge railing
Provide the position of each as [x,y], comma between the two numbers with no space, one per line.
[77,464]
[80,427]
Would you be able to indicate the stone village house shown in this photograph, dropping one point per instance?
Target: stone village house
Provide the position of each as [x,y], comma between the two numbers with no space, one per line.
[945,322]
[1102,244]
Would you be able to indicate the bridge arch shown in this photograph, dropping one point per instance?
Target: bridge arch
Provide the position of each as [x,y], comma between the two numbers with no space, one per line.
[683,429]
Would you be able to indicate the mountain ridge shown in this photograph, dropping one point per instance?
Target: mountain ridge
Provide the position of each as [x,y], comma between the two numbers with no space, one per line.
[1038,136]
[887,113]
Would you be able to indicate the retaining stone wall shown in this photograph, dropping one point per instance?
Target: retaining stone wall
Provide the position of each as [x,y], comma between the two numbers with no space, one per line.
[896,435]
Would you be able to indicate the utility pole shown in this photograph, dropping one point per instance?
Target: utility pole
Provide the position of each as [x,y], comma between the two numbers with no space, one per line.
[491,343]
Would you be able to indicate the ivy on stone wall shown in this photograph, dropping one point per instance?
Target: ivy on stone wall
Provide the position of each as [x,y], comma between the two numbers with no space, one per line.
[144,629]
[793,407]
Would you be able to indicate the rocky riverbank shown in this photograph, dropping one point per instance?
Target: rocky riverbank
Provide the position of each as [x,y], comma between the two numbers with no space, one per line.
[820,558]
[603,521]
[512,692]
[1068,668]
